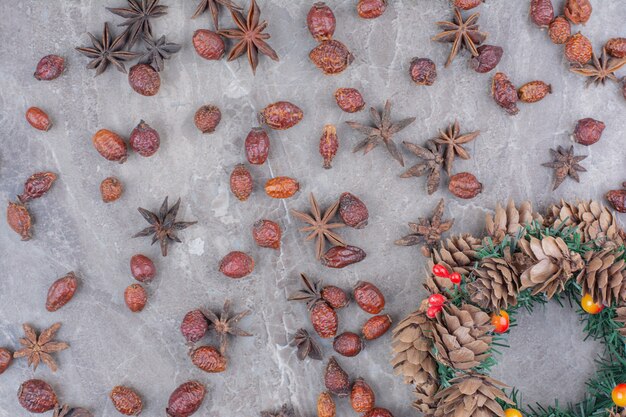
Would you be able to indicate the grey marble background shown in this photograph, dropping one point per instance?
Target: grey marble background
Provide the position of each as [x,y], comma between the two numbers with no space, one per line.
[74,230]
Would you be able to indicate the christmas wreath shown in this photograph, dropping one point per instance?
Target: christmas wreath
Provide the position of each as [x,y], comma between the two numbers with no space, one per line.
[574,254]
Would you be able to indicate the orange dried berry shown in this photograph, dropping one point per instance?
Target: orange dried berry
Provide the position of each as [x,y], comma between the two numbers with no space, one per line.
[110,145]
[209,359]
[207,118]
[362,398]
[37,396]
[465,185]
[208,44]
[375,327]
[135,297]
[236,265]
[111,189]
[194,326]
[49,67]
[19,219]
[186,399]
[267,234]
[281,115]
[369,297]
[144,79]
[321,21]
[326,405]
[336,379]
[334,296]
[349,100]
[126,400]
[38,119]
[504,93]
[257,146]
[324,319]
[5,359]
[533,91]
[61,292]
[241,183]
[578,11]
[342,256]
[37,185]
[559,30]
[328,145]
[348,344]
[331,56]
[281,187]
[578,49]
[541,12]
[371,9]
[616,47]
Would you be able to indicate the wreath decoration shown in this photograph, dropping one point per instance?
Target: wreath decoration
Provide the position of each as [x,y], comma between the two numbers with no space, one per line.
[574,253]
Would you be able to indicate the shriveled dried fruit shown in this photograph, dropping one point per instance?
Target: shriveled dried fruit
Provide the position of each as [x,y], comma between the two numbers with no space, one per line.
[142,268]
[617,198]
[144,140]
[353,211]
[186,399]
[324,319]
[208,44]
[368,297]
[362,398]
[110,145]
[348,344]
[257,146]
[487,59]
[588,131]
[378,412]
[207,118]
[328,145]
[541,12]
[467,4]
[144,79]
[37,185]
[194,326]
[126,400]
[321,22]
[5,359]
[423,71]
[465,185]
[559,30]
[61,292]
[342,256]
[266,234]
[349,100]
[49,67]
[578,49]
[281,115]
[578,11]
[336,379]
[209,359]
[281,187]
[375,327]
[331,56]
[111,189]
[135,297]
[334,296]
[326,405]
[37,396]
[504,93]
[66,411]
[19,219]
[371,9]
[241,183]
[533,91]
[236,265]
[616,47]
[38,119]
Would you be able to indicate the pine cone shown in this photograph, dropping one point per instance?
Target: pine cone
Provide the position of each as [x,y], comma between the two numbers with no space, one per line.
[616,412]
[620,317]
[437,285]
[564,213]
[604,276]
[457,253]
[471,395]
[462,336]
[425,401]
[497,283]
[554,265]
[510,221]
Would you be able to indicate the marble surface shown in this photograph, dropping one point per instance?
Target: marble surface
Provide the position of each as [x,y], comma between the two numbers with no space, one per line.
[75,231]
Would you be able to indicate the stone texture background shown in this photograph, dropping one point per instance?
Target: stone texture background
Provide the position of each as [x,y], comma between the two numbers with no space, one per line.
[74,230]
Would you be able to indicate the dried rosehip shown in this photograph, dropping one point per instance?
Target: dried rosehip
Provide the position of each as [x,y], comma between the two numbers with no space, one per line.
[186,399]
[209,359]
[19,219]
[348,344]
[61,292]
[353,211]
[362,397]
[378,412]
[144,140]
[241,183]
[111,189]
[49,67]
[616,47]
[588,131]
[208,44]
[144,79]
[368,297]
[349,100]
[135,297]
[207,118]
[336,379]
[578,11]
[465,185]
[281,115]
[37,396]
[371,9]
[342,256]
[142,268]
[329,145]
[578,49]
[617,198]
[126,400]
[331,56]
[533,91]
[110,145]
[281,187]
[321,22]
[37,185]
[266,234]
[334,296]
[624,87]
[236,265]
[257,146]
[326,405]
[504,93]
[375,327]
[541,12]
[467,4]
[38,119]
[423,71]
[324,319]
[487,59]
[194,326]
[5,359]
[559,30]
[79,412]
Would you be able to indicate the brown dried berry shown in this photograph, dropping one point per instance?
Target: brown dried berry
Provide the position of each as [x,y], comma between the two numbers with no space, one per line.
[362,396]
[142,268]
[49,67]
[334,296]
[504,93]
[533,91]
[624,87]
[375,327]
[559,30]
[194,326]
[578,49]
[207,118]
[321,22]
[349,100]
[353,211]
[617,198]
[126,400]
[111,189]
[236,265]
[61,292]
[241,183]
[19,219]
[378,412]
[38,119]
[37,185]
[616,47]
[467,4]
[209,359]
[578,11]
[342,256]
[144,140]
[78,412]
[324,319]
[423,71]
[281,115]
[369,297]
[186,399]
[144,79]
[257,146]
[208,44]
[135,297]
[336,379]
[588,131]
[348,344]
[5,359]
[37,396]
[541,12]
[328,145]
[331,56]
[110,145]
[371,9]
[465,185]
[487,59]
[266,234]
[326,405]
[281,187]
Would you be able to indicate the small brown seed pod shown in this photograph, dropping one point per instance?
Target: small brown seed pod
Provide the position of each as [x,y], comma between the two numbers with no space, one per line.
[362,398]
[349,100]
[559,30]
[37,185]
[336,379]
[423,71]
[326,405]
[38,119]
[5,359]
[616,47]
[37,396]
[49,67]
[236,265]
[371,9]
[126,401]
[578,49]
[617,198]
[342,256]
[241,183]
[111,189]
[353,211]
[144,79]
[281,115]
[110,145]
[135,297]
[504,93]
[208,44]
[186,399]
[375,327]
[348,344]
[267,234]
[332,57]
[257,146]
[588,131]
[578,11]
[533,91]
[61,292]
[194,326]
[541,12]
[465,185]
[334,296]
[142,268]
[487,59]
[321,22]
[207,118]
[144,140]
[369,297]
[209,359]
[19,219]
[329,144]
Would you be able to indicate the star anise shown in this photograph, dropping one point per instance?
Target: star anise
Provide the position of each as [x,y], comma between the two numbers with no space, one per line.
[427,231]
[321,226]
[452,141]
[382,132]
[600,69]
[285,411]
[214,7]
[226,324]
[433,158]
[157,51]
[39,348]
[462,33]
[107,51]
[138,15]
[306,346]
[565,164]
[310,292]
[163,226]
[250,36]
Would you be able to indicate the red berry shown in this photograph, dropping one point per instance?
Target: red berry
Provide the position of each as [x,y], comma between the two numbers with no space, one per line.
[455,278]
[441,271]
[436,300]
[432,311]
